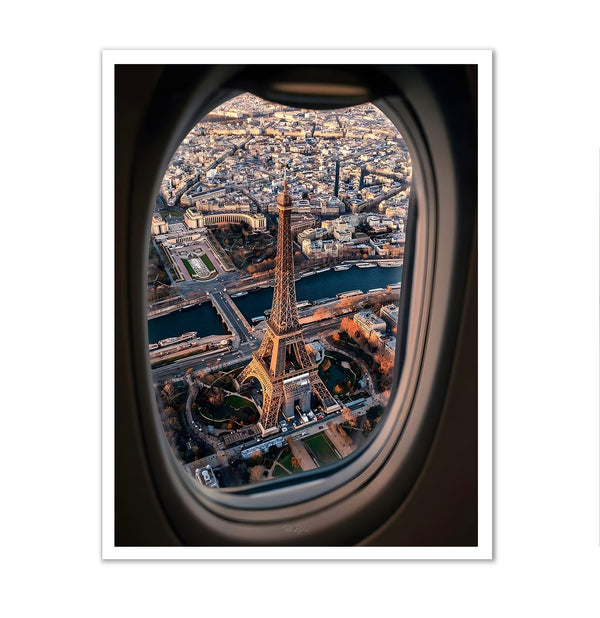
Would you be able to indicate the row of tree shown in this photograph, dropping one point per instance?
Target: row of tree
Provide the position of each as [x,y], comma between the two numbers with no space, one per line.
[381,362]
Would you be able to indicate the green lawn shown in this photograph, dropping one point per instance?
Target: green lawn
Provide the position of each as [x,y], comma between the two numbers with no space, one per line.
[321,448]
[280,472]
[207,261]
[189,268]
[195,275]
[237,402]
[233,407]
[286,462]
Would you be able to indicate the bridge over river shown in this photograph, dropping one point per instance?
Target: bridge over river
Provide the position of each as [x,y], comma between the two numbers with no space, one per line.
[233,317]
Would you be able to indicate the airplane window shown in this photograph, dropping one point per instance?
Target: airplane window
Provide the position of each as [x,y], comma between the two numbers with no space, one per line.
[274,275]
[278,230]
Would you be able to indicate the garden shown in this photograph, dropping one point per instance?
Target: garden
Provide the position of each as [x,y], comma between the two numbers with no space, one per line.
[321,448]
[340,375]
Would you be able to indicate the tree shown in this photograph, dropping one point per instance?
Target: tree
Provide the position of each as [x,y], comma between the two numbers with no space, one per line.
[321,314]
[216,397]
[349,416]
[256,458]
[345,303]
[349,326]
[374,339]
[169,393]
[367,426]
[346,324]
[295,463]
[205,378]
[256,474]
[386,364]
[170,411]
[174,423]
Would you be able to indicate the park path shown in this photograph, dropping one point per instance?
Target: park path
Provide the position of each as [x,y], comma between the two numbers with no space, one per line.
[301,454]
[340,439]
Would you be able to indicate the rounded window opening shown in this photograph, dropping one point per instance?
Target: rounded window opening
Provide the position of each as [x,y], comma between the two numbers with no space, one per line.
[274,277]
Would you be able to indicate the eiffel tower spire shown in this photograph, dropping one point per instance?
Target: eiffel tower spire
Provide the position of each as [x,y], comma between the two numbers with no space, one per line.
[282,366]
[284,314]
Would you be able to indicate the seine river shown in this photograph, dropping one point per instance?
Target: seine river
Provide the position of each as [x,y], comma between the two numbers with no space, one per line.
[204,319]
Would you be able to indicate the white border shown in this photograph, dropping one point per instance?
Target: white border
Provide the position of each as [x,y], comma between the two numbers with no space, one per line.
[483,58]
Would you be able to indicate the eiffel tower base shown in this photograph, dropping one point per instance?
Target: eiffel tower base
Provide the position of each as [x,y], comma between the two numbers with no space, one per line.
[269,431]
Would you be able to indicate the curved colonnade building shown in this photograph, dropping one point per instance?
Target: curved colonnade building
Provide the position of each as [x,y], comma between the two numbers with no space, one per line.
[194,219]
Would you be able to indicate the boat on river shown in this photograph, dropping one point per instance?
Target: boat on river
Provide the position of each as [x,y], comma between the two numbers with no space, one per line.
[172,340]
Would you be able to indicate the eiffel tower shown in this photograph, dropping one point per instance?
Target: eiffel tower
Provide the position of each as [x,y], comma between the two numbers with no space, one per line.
[282,365]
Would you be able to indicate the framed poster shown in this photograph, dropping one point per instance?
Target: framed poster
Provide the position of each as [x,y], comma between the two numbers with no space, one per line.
[297,304]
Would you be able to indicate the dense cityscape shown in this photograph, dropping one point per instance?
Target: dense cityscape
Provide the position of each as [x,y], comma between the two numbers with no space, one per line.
[258,200]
